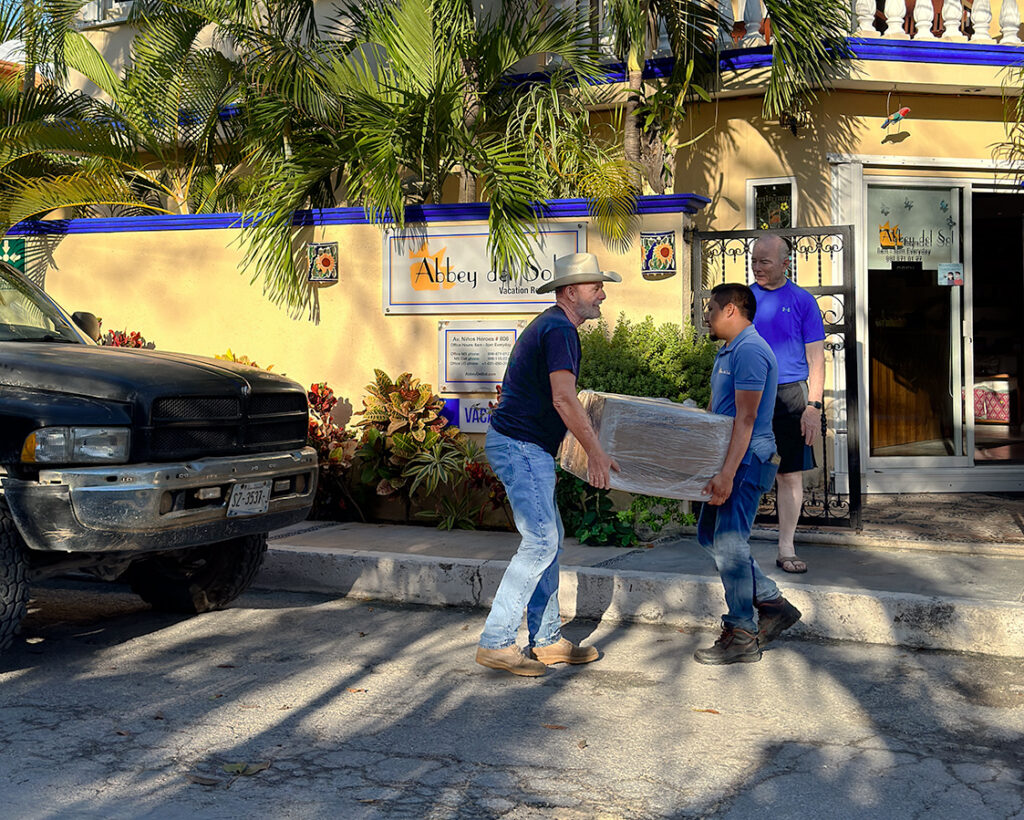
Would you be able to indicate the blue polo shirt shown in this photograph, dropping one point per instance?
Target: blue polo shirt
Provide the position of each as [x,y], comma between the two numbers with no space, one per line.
[788,318]
[747,363]
[525,410]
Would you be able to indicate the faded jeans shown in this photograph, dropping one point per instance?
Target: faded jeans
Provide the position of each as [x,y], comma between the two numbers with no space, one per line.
[531,579]
[725,533]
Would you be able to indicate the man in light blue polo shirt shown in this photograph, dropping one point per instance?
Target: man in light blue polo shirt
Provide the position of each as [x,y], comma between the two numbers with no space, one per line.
[743,385]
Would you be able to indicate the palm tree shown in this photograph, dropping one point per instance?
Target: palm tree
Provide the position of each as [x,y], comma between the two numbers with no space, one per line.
[425,95]
[156,142]
[382,111]
[808,45]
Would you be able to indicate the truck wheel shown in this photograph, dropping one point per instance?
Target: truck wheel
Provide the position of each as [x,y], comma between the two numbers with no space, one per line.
[13,578]
[200,579]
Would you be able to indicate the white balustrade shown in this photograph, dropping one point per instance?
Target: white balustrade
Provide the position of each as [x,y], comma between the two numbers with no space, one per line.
[1009,23]
[752,17]
[727,20]
[864,12]
[952,17]
[894,13]
[924,17]
[981,19]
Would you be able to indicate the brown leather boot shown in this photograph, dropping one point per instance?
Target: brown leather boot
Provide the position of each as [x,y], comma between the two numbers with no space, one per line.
[563,651]
[510,659]
[773,618]
[733,646]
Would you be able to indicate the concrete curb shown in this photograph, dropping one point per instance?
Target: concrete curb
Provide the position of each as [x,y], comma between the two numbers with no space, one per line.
[623,596]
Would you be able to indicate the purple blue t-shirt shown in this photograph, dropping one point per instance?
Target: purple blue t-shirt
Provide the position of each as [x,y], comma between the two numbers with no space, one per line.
[525,410]
[747,363]
[788,318]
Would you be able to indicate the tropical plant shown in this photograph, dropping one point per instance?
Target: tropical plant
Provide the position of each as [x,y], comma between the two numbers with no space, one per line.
[808,46]
[336,449]
[231,356]
[469,488]
[650,515]
[402,421]
[125,338]
[588,513]
[423,94]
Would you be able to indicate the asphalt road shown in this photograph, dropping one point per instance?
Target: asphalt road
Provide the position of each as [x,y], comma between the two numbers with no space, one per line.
[303,706]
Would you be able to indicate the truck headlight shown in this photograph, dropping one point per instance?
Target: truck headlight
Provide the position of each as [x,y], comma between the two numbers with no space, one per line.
[77,445]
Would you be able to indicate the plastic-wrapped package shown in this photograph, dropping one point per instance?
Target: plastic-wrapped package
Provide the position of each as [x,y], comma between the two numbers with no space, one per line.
[663,448]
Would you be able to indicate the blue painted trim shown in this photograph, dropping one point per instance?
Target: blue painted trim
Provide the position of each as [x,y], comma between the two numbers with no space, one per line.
[897,51]
[472,212]
[924,51]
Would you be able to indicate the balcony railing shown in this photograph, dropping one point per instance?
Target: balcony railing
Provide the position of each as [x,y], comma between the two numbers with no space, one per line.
[984,22]
[103,12]
[949,21]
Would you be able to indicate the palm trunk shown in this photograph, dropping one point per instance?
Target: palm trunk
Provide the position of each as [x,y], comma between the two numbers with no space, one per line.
[471,107]
[631,123]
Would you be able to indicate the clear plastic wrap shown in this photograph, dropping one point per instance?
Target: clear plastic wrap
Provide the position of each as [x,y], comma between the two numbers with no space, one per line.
[663,448]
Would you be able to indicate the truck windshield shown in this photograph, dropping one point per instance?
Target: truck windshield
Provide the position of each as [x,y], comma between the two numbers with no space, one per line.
[27,315]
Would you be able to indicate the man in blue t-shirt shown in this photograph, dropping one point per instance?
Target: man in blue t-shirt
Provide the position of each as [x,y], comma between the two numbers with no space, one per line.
[538,403]
[743,382]
[788,319]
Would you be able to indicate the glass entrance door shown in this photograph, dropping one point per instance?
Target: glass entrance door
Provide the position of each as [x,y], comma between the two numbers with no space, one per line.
[917,367]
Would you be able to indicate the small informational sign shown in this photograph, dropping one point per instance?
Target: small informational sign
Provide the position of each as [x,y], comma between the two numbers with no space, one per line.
[951,274]
[447,270]
[323,261]
[475,414]
[472,355]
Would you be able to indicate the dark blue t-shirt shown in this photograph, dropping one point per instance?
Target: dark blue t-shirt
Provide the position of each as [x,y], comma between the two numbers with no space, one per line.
[525,410]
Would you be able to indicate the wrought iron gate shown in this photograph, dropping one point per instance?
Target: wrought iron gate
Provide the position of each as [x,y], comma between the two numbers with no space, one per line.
[822,263]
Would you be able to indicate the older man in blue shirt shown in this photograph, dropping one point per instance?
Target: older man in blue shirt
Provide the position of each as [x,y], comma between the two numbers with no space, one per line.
[743,385]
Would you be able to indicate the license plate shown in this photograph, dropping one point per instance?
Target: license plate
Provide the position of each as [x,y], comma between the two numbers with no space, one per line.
[249,499]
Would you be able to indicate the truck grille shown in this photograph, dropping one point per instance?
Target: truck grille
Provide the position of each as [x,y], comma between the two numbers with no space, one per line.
[197,426]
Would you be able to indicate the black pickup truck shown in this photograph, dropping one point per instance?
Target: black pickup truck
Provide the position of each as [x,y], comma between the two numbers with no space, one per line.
[160,469]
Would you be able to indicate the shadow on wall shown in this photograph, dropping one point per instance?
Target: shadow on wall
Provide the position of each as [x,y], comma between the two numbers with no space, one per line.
[802,155]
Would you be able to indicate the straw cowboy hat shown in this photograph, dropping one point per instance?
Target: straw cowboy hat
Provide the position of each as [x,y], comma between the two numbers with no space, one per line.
[576,269]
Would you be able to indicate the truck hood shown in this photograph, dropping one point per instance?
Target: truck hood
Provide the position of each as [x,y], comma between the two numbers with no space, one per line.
[126,374]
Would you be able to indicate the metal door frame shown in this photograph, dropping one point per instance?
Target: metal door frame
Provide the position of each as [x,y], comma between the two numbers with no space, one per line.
[711,252]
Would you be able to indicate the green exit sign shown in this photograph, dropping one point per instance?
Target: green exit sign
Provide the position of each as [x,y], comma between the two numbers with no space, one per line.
[12,251]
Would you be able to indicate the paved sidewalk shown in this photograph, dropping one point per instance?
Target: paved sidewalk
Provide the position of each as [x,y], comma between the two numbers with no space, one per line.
[902,597]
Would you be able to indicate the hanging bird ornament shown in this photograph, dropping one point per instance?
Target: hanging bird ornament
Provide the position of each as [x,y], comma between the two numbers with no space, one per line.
[895,117]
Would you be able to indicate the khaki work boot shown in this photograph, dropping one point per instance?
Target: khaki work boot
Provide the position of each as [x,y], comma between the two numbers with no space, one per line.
[563,651]
[510,659]
[733,646]
[774,618]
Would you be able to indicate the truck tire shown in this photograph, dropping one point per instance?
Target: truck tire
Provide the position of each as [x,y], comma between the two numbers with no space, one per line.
[200,579]
[13,578]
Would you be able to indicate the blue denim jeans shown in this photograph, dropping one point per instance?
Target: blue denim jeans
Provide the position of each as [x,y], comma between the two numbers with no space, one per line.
[531,580]
[725,533]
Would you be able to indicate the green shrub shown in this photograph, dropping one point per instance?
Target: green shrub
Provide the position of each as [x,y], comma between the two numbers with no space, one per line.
[587,513]
[639,359]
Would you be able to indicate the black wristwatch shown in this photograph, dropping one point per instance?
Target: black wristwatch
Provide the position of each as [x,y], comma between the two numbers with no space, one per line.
[815,404]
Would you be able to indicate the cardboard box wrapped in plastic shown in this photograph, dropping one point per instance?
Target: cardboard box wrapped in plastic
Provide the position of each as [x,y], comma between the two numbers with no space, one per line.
[663,448]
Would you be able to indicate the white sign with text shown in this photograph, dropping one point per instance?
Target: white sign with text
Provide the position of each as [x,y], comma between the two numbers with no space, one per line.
[447,270]
[472,355]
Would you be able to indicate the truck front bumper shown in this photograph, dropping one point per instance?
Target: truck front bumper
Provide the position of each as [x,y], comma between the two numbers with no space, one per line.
[152,507]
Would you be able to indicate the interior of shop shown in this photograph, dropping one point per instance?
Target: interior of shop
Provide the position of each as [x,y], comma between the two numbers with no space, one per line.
[998,328]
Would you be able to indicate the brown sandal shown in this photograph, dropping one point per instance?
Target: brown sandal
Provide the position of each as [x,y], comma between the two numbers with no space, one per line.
[796,565]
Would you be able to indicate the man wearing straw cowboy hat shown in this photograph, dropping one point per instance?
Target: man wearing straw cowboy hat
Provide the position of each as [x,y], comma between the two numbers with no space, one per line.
[538,403]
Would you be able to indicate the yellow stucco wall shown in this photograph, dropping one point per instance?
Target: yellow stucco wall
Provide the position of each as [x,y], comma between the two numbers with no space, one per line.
[182,290]
[742,145]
